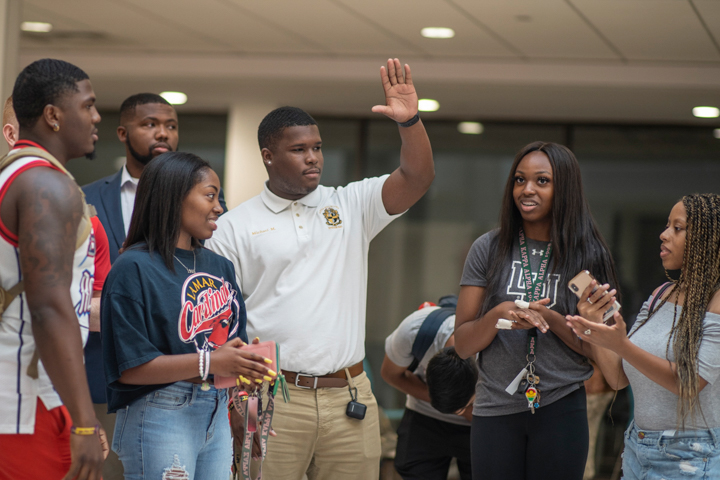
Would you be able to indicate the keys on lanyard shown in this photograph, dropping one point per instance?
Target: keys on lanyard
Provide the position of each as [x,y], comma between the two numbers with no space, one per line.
[533,290]
[532,392]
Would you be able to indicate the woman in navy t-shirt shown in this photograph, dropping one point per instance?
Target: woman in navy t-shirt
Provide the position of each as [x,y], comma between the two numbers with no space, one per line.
[172,317]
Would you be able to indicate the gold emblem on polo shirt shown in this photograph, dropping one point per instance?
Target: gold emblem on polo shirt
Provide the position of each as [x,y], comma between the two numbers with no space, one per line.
[332,217]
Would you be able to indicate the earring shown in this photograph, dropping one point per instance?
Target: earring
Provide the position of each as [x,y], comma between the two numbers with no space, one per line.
[269,162]
[56,127]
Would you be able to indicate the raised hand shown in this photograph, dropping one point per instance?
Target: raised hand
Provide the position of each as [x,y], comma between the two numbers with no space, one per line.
[401,101]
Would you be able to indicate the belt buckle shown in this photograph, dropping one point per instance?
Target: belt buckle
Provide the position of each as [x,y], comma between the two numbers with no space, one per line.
[297,377]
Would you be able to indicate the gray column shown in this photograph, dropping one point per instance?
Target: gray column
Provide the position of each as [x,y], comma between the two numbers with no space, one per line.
[10,18]
[245,173]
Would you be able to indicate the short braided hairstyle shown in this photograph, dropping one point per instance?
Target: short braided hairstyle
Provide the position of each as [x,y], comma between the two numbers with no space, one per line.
[272,126]
[42,83]
[699,280]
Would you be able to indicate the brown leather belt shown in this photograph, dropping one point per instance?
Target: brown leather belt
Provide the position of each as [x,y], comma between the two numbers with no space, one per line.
[331,380]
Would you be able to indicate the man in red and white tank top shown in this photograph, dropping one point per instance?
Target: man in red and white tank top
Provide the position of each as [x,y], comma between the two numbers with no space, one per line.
[40,210]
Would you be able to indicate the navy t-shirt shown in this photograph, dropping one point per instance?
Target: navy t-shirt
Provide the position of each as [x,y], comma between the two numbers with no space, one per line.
[148,311]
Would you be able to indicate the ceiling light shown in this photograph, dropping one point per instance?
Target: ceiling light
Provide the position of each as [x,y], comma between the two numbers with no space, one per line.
[42,27]
[470,128]
[716,133]
[437,32]
[706,112]
[174,98]
[428,105]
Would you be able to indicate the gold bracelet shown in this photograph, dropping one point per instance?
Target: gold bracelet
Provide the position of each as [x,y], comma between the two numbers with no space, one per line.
[85,430]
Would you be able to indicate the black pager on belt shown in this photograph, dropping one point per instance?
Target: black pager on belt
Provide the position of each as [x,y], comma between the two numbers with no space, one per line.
[355,409]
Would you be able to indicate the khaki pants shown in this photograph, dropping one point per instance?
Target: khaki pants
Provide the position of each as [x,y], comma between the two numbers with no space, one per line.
[314,436]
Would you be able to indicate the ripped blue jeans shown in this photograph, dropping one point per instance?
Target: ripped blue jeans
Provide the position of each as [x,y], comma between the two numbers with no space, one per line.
[657,455]
[176,432]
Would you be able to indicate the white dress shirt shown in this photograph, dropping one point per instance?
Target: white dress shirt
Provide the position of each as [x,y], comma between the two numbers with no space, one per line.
[128,189]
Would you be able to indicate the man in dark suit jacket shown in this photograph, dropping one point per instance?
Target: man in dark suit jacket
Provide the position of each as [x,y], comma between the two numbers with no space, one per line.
[148,128]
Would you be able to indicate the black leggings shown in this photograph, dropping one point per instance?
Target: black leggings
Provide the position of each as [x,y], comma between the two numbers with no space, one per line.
[551,444]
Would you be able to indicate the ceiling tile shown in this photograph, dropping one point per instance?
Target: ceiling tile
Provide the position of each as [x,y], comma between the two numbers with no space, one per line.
[330,25]
[236,28]
[405,19]
[661,30]
[547,29]
[710,13]
[131,28]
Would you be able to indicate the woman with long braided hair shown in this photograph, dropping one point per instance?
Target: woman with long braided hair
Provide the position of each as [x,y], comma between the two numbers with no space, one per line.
[671,357]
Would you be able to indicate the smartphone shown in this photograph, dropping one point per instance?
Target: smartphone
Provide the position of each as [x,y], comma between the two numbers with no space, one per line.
[580,282]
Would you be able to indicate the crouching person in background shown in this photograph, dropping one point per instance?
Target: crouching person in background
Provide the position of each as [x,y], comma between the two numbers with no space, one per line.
[420,360]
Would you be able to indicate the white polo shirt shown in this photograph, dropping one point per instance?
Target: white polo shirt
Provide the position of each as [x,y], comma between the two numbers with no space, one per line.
[302,268]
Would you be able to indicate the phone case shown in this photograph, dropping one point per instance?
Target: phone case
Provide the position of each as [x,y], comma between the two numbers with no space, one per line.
[580,282]
[265,349]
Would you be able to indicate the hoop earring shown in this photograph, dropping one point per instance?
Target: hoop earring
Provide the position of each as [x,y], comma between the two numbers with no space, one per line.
[56,127]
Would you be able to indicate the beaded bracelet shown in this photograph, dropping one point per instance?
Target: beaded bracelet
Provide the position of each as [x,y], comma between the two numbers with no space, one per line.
[85,430]
[201,361]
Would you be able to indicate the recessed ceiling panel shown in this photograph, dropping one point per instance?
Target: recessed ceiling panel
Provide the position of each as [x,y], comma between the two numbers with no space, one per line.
[405,19]
[546,29]
[230,25]
[334,28]
[133,28]
[709,11]
[656,30]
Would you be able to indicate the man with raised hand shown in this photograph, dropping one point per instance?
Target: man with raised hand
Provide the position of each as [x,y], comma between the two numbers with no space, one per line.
[48,428]
[300,253]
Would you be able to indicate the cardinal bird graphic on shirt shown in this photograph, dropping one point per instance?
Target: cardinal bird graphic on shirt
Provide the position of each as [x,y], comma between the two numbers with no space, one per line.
[209,313]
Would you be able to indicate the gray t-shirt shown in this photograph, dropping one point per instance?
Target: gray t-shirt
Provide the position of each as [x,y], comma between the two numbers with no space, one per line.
[398,347]
[560,369]
[655,406]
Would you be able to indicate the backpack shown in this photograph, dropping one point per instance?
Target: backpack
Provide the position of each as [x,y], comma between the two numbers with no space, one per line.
[429,328]
[84,229]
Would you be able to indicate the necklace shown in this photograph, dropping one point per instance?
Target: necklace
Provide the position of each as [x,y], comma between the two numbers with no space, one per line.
[188,270]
